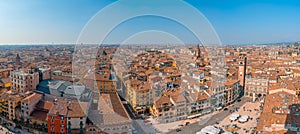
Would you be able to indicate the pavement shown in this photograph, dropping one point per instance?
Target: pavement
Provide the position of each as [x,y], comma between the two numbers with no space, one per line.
[210,119]
[166,127]
[250,109]
[143,127]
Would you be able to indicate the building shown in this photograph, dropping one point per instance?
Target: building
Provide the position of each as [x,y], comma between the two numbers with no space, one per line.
[108,115]
[242,65]
[4,104]
[232,91]
[200,105]
[57,118]
[139,95]
[28,105]
[4,73]
[256,87]
[141,90]
[106,81]
[225,94]
[5,83]
[66,89]
[39,115]
[170,107]
[280,113]
[77,115]
[63,76]
[24,81]
[44,73]
[13,104]
[18,60]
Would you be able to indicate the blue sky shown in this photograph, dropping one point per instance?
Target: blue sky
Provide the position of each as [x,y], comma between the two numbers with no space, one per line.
[235,21]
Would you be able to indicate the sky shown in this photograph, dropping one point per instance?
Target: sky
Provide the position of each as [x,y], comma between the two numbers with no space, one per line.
[235,21]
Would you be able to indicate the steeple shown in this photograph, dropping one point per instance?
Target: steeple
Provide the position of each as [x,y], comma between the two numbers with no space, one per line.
[18,59]
[199,52]
[200,57]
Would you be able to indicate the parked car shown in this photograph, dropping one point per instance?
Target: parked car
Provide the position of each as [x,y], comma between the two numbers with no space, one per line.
[178,130]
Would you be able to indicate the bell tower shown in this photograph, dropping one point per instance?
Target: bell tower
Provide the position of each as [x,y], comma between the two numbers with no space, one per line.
[199,57]
[18,59]
[242,64]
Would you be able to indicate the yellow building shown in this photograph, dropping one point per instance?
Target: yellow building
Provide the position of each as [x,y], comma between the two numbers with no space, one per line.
[174,64]
[106,81]
[4,73]
[3,104]
[139,95]
[8,105]
[296,73]
[298,92]
[13,102]
[5,83]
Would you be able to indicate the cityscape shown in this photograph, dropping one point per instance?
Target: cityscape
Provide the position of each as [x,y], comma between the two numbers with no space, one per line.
[145,86]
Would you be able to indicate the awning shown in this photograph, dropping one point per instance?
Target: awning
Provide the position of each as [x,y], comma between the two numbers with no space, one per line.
[232,118]
[195,115]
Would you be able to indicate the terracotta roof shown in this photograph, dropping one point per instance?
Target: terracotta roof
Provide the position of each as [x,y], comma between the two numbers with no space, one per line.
[279,108]
[230,82]
[33,97]
[202,96]
[162,100]
[110,110]
[39,114]
[46,105]
[59,108]
[77,109]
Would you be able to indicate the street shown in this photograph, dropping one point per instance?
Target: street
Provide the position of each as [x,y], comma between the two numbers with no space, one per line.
[197,126]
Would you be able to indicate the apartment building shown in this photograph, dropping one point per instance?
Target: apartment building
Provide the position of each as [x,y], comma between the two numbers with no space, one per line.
[76,117]
[28,105]
[232,91]
[13,102]
[225,94]
[57,118]
[106,81]
[10,104]
[44,73]
[256,87]
[199,104]
[24,81]
[4,73]
[170,107]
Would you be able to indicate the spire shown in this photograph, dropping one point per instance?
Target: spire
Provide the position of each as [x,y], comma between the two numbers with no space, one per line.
[18,59]
[200,57]
[199,51]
